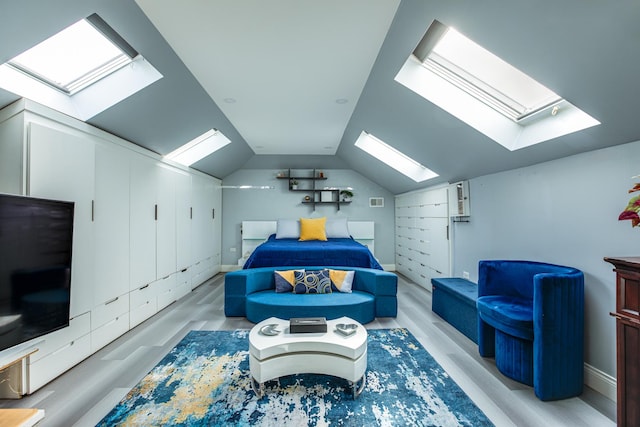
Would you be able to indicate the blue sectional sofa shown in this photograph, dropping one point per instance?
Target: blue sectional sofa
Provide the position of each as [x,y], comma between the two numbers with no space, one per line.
[251,293]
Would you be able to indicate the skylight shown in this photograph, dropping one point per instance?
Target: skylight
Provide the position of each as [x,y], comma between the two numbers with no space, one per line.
[77,56]
[482,74]
[199,148]
[486,92]
[81,71]
[394,158]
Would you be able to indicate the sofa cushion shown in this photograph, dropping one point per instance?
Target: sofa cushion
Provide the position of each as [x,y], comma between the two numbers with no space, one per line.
[513,315]
[312,282]
[285,280]
[341,280]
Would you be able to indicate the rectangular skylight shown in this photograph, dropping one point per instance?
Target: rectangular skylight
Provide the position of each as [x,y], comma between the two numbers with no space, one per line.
[199,148]
[482,74]
[394,158]
[77,56]
[486,92]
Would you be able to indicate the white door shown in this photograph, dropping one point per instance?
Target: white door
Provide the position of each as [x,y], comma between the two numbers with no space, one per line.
[166,222]
[142,220]
[111,222]
[183,220]
[61,167]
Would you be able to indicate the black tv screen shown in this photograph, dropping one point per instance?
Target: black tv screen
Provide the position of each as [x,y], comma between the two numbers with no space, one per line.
[36,239]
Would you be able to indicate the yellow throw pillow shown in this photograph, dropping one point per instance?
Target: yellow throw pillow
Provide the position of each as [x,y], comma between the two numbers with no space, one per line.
[313,229]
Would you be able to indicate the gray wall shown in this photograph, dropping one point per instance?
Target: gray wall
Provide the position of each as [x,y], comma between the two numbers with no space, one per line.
[563,212]
[243,205]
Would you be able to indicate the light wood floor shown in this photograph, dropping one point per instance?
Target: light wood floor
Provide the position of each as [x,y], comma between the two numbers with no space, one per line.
[83,395]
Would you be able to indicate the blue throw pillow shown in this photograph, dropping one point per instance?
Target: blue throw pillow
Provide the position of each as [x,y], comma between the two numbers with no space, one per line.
[312,282]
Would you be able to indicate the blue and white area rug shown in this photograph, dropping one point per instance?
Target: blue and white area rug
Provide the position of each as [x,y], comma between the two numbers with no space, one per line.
[204,381]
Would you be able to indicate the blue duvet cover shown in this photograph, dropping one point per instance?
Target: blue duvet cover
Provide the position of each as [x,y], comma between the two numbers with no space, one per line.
[291,252]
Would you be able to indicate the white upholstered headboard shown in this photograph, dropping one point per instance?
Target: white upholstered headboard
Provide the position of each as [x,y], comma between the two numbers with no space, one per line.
[256,232]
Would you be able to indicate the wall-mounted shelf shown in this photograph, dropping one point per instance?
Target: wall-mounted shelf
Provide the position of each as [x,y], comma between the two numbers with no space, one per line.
[318,196]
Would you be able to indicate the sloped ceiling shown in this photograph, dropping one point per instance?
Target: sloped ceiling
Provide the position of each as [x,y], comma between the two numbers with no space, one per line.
[585,51]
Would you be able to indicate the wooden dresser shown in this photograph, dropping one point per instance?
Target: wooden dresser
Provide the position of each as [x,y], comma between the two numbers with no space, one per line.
[627,316]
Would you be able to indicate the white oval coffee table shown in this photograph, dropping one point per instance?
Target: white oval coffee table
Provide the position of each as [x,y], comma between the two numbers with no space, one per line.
[272,355]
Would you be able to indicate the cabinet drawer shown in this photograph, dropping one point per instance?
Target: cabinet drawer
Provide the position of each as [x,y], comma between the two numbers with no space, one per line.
[58,362]
[109,331]
[108,311]
[78,326]
[182,289]
[142,312]
[143,303]
[165,291]
[142,296]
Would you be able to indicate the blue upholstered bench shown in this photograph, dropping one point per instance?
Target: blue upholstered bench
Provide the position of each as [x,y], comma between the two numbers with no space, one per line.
[454,300]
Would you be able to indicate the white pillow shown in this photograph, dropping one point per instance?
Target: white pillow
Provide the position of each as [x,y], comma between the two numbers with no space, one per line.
[337,228]
[288,229]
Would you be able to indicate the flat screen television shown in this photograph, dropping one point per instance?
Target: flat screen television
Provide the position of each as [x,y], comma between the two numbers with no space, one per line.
[36,239]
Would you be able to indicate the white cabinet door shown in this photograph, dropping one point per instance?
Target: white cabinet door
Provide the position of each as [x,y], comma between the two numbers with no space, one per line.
[61,166]
[200,220]
[166,222]
[143,223]
[183,221]
[111,222]
[216,225]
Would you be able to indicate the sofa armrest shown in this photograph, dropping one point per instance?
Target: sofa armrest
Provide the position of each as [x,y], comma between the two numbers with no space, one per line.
[376,282]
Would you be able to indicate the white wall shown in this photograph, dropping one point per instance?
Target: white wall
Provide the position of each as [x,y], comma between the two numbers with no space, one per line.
[245,205]
[563,212]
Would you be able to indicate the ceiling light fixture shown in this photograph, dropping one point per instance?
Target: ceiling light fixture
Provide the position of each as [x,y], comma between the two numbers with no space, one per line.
[199,148]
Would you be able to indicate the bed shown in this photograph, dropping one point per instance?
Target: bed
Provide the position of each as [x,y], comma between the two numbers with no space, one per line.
[346,245]
[342,252]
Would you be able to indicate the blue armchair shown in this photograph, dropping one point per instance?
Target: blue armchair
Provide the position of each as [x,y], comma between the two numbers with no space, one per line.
[531,319]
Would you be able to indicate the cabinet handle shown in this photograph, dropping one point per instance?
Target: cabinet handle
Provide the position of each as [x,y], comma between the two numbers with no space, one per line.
[625,318]
[183,270]
[144,287]
[213,213]
[156,212]
[93,210]
[191,212]
[111,301]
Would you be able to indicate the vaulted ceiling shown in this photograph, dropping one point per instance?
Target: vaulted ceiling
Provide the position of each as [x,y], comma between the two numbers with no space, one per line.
[292,83]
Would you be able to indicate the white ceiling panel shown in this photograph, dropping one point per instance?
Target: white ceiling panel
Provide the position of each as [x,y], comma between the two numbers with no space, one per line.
[287,73]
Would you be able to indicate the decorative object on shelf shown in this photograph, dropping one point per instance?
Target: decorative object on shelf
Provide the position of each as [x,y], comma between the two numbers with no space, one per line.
[633,208]
[280,174]
[294,184]
[307,198]
[320,174]
[346,195]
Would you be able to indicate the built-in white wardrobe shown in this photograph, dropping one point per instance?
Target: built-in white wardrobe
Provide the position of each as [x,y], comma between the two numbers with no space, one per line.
[145,232]
[422,235]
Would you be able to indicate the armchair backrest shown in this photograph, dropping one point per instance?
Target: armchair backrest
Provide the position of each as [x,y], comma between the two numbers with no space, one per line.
[513,277]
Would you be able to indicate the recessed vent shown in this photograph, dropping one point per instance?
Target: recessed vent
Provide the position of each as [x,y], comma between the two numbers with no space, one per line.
[376,202]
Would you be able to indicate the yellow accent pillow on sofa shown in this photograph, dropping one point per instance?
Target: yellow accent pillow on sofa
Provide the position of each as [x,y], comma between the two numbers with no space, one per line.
[313,229]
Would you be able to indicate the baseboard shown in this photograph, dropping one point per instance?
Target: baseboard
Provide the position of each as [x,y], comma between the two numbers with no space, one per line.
[601,382]
[389,267]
